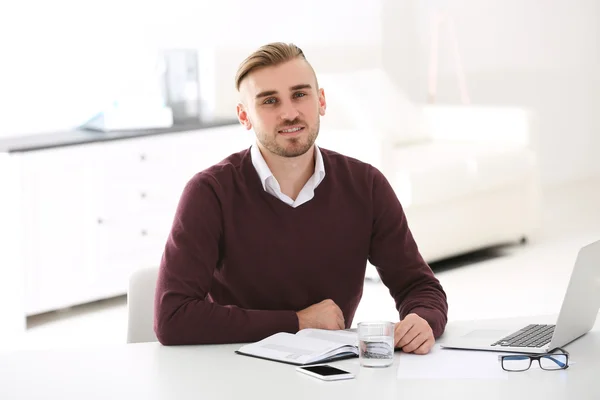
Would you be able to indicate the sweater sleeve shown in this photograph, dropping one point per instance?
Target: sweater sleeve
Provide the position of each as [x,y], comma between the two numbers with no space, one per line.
[396,256]
[183,313]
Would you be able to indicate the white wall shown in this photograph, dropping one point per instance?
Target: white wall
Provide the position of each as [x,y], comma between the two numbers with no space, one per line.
[534,53]
[62,60]
[242,22]
[232,29]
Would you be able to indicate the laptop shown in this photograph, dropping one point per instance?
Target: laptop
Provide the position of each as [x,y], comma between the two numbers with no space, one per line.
[577,316]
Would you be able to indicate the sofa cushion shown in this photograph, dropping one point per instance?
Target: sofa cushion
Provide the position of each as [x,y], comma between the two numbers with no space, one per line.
[433,172]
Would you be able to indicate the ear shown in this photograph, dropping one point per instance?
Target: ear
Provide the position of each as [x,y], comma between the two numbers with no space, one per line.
[322,102]
[243,116]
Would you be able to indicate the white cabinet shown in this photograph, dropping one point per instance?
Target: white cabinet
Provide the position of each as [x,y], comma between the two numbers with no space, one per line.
[12,239]
[94,213]
[57,227]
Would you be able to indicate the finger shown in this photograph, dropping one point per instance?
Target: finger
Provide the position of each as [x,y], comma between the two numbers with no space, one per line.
[414,344]
[402,328]
[337,324]
[333,324]
[339,312]
[409,336]
[425,347]
[341,322]
[331,307]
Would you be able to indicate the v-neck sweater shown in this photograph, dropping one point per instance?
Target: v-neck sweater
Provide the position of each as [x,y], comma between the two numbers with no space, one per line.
[239,263]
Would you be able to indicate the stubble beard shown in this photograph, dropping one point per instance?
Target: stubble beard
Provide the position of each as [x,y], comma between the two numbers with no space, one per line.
[294,146]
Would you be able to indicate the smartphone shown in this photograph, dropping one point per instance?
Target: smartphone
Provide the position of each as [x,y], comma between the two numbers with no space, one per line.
[325,372]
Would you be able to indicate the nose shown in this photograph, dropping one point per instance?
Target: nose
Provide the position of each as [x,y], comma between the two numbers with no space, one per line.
[288,111]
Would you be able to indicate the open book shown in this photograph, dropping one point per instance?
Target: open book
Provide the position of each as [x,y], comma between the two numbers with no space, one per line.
[308,346]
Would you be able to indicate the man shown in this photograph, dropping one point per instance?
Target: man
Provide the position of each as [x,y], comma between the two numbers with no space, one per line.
[276,238]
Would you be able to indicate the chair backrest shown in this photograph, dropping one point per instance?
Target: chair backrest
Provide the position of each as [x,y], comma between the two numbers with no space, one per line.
[140,306]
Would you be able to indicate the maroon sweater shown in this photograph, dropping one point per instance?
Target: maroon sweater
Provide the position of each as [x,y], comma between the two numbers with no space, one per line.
[239,263]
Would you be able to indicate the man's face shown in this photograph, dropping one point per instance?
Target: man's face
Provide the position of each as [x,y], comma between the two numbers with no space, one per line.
[283,106]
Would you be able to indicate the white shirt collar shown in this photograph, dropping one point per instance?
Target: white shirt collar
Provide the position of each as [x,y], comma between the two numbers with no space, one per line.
[271,185]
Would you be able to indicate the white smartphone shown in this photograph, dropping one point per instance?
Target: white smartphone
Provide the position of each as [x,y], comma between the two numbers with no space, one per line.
[325,372]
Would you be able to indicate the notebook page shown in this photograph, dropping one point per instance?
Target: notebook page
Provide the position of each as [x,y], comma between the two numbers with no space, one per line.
[341,337]
[288,347]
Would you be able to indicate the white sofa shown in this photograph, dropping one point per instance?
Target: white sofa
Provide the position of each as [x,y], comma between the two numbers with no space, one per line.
[467,176]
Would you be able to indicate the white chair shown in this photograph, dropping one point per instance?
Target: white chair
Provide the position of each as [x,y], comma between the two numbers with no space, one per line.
[140,306]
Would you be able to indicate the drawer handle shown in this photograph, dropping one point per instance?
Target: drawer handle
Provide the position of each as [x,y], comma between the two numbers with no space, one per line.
[144,232]
[142,157]
[100,221]
[143,195]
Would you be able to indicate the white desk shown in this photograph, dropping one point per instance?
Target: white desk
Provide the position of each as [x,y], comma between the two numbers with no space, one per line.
[150,371]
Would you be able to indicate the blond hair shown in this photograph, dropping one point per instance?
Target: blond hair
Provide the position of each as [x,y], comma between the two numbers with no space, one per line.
[269,55]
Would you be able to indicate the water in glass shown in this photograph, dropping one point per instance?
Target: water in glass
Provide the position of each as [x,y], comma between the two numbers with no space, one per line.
[376,351]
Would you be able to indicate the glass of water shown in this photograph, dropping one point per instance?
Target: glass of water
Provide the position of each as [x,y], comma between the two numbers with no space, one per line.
[376,343]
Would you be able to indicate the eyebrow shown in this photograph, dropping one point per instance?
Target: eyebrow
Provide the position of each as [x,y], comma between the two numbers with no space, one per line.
[272,92]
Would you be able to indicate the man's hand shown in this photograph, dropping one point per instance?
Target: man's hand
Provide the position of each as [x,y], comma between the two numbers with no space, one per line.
[414,335]
[323,315]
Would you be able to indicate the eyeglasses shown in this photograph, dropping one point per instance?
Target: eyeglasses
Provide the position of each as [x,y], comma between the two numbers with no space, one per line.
[522,362]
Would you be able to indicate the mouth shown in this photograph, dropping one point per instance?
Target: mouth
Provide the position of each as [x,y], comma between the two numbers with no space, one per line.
[293,130]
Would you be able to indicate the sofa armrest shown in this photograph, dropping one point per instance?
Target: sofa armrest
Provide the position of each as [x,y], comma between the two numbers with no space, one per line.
[483,124]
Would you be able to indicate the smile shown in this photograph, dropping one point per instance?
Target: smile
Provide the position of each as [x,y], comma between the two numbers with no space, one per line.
[292,130]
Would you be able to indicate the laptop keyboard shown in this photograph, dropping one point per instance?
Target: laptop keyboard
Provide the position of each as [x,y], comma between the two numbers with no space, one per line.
[530,336]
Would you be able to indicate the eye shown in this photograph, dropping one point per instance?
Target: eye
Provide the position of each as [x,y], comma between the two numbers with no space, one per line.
[270,100]
[299,94]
